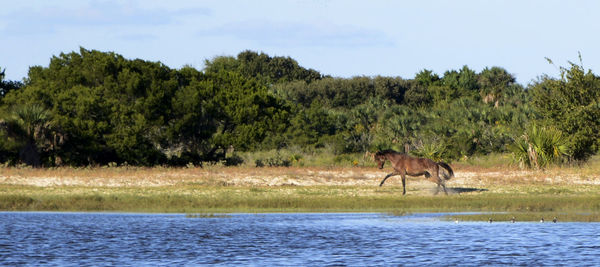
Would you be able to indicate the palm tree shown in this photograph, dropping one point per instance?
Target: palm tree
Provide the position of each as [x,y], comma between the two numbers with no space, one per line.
[540,146]
[32,127]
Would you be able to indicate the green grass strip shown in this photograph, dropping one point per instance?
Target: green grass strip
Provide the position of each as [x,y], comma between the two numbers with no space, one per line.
[200,199]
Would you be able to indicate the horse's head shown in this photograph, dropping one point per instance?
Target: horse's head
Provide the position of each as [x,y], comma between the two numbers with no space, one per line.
[379,159]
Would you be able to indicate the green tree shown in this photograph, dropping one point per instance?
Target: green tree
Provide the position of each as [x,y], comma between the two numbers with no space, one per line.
[418,96]
[249,116]
[494,82]
[193,121]
[111,108]
[572,105]
[329,92]
[361,125]
[427,78]
[32,128]
[7,86]
[263,67]
[391,88]
[463,82]
[467,82]
[311,127]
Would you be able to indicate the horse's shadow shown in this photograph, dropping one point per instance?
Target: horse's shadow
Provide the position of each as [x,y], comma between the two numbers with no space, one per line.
[459,190]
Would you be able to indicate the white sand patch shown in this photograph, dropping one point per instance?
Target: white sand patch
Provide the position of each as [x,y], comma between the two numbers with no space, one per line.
[278,177]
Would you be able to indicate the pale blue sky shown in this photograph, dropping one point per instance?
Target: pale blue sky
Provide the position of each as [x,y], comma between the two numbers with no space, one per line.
[339,38]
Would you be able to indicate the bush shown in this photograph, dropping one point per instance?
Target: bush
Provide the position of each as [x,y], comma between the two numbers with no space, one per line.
[276,161]
[539,147]
[432,150]
[571,105]
[233,160]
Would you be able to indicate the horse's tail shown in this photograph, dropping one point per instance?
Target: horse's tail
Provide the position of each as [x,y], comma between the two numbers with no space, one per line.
[450,173]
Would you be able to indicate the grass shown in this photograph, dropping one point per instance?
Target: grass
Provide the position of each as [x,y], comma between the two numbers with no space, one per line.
[570,193]
[213,199]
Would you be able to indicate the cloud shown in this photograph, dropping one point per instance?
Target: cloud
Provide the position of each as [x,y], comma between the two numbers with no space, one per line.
[50,19]
[300,34]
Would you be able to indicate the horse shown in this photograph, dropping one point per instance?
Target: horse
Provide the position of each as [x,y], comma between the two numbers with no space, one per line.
[406,165]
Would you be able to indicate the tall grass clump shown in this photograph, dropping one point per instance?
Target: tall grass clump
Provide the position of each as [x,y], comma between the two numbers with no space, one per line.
[540,147]
[433,150]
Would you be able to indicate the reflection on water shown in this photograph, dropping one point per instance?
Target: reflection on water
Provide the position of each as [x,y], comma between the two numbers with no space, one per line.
[288,239]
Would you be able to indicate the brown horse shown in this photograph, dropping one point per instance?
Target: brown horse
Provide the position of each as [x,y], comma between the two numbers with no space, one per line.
[406,165]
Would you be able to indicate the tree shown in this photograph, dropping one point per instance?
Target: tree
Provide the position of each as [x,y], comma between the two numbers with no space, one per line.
[193,121]
[362,124]
[248,115]
[32,127]
[398,127]
[270,70]
[391,88]
[493,83]
[427,78]
[467,81]
[310,127]
[418,95]
[112,109]
[572,105]
[7,86]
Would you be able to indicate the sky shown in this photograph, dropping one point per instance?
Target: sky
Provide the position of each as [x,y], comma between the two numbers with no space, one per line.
[338,38]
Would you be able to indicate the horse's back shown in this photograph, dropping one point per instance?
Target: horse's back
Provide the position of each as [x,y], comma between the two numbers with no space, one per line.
[417,166]
[412,164]
[424,162]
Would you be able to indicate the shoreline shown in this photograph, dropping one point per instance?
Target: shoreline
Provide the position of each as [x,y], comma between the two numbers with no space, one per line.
[456,217]
[295,189]
[285,176]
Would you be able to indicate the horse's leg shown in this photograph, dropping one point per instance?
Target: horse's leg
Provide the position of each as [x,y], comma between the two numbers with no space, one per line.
[403,183]
[438,188]
[444,187]
[440,182]
[388,176]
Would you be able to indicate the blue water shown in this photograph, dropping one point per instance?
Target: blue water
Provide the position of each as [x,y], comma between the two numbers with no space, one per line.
[100,239]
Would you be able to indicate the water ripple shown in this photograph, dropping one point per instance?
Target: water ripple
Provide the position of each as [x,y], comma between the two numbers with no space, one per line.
[74,239]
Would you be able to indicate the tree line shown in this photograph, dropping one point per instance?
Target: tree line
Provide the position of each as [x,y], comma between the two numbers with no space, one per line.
[96,108]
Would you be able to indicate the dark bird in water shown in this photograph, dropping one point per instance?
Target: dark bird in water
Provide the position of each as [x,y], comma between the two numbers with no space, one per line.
[512,220]
[490,220]
[554,220]
[542,220]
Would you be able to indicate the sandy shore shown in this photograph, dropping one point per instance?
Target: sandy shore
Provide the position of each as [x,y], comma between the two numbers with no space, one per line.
[292,176]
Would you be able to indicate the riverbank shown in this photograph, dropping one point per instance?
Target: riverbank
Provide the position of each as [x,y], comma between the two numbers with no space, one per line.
[297,189]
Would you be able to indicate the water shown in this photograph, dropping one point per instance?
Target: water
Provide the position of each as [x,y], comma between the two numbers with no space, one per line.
[100,239]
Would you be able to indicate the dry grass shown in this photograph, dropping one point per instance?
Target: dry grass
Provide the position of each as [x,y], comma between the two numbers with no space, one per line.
[250,189]
[466,176]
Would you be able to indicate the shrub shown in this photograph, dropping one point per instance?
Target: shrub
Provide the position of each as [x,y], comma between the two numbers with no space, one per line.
[539,147]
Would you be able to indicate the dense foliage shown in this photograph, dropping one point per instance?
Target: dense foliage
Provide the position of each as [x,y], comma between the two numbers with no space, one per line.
[572,105]
[91,107]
